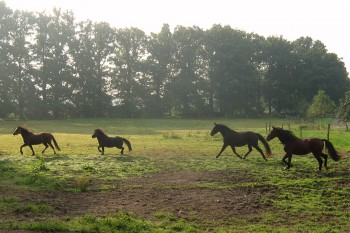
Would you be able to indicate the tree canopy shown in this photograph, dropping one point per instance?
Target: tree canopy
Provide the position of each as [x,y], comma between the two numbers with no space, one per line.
[53,66]
[344,108]
[321,105]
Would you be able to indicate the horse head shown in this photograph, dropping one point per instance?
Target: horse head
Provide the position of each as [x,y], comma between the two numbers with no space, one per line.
[97,133]
[17,130]
[215,130]
[272,134]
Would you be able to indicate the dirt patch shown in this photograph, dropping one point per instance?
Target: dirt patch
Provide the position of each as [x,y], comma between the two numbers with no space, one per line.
[203,197]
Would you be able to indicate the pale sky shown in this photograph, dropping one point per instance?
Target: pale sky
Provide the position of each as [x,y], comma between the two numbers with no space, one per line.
[324,20]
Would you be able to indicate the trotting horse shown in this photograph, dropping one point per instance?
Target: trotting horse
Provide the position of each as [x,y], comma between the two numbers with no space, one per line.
[30,139]
[238,139]
[294,145]
[105,141]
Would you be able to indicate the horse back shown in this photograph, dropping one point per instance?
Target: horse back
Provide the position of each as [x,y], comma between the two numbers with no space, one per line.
[241,138]
[111,141]
[35,139]
[304,146]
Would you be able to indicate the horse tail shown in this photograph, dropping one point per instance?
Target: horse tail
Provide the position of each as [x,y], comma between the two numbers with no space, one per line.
[54,141]
[266,144]
[127,143]
[331,150]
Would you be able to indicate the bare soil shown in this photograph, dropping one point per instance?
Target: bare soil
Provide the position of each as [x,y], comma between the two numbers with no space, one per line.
[186,194]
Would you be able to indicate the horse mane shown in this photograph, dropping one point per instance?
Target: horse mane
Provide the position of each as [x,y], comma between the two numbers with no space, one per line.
[285,135]
[223,126]
[100,131]
[25,129]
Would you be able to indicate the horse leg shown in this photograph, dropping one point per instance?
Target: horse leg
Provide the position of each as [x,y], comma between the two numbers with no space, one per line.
[122,150]
[46,146]
[318,157]
[261,152]
[222,149]
[249,150]
[53,148]
[284,159]
[31,147]
[99,149]
[234,151]
[288,163]
[20,150]
[325,157]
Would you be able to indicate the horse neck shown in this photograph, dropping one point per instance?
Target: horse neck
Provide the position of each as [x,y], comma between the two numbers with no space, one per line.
[25,133]
[101,136]
[225,131]
[287,138]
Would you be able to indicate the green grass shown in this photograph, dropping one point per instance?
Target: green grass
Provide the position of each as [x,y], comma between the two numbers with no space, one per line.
[121,222]
[298,200]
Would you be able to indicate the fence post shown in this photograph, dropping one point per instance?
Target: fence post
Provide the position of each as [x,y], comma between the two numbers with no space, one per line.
[328,129]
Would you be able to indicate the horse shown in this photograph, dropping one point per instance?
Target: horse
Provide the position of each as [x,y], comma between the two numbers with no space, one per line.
[238,139]
[105,141]
[294,145]
[31,138]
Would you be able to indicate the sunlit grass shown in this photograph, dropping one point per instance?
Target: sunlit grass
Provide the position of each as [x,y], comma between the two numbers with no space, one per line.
[300,200]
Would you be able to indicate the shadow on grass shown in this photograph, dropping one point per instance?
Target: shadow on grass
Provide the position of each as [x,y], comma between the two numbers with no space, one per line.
[128,158]
[53,157]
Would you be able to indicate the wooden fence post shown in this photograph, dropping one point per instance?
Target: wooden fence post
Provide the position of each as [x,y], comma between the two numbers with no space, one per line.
[328,129]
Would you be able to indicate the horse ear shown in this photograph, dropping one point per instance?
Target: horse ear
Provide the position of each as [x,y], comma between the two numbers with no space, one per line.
[214,123]
[273,127]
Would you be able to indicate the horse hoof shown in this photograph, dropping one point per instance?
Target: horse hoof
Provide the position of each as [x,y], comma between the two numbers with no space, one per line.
[286,168]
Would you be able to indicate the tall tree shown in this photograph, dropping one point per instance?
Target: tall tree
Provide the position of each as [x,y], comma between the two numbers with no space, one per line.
[20,64]
[91,50]
[7,25]
[317,69]
[52,53]
[232,73]
[130,85]
[343,112]
[278,80]
[160,64]
[321,105]
[186,89]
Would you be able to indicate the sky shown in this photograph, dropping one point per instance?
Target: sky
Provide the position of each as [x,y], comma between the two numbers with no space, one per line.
[324,20]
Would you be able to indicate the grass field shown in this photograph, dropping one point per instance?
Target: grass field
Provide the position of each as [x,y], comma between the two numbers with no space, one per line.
[170,182]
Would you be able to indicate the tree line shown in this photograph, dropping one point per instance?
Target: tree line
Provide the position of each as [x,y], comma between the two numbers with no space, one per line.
[53,66]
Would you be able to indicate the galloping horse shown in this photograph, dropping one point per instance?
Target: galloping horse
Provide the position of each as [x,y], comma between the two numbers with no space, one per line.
[238,139]
[105,141]
[30,139]
[294,145]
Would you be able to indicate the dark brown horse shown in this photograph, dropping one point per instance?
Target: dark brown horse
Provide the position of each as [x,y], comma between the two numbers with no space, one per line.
[294,145]
[105,141]
[238,139]
[30,139]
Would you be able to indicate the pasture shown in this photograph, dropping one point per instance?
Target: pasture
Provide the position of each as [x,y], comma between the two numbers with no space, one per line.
[170,182]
